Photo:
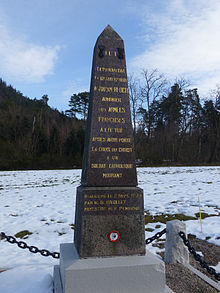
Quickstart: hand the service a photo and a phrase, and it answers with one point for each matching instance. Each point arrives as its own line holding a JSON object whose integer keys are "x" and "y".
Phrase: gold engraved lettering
{"x": 114, "y": 150}
{"x": 102, "y": 109}
{"x": 98, "y": 196}
{"x": 120, "y": 166}
{"x": 94, "y": 209}
{"x": 90, "y": 202}
{"x": 116, "y": 201}
{"x": 94, "y": 149}
{"x": 107, "y": 78}
{"x": 114, "y": 158}
{"x": 120, "y": 79}
{"x": 97, "y": 166}
{"x": 111, "y": 79}
{"x": 103, "y": 89}
{"x": 112, "y": 139}
{"x": 104, "y": 149}
{"x": 136, "y": 195}
{"x": 110, "y": 53}
{"x": 112, "y": 175}
{"x": 125, "y": 150}
{"x": 137, "y": 208}
{"x": 111, "y": 119}
{"x": 122, "y": 195}
{"x": 105, "y": 129}
{"x": 118, "y": 139}
{"x": 107, "y": 99}
{"x": 99, "y": 139}
{"x": 110, "y": 69}
{"x": 124, "y": 139}
{"x": 123, "y": 90}
{"x": 118, "y": 130}
{"x": 116, "y": 110}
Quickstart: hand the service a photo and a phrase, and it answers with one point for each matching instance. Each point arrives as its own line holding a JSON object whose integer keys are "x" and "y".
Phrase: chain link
{"x": 198, "y": 258}
{"x": 33, "y": 249}
{"x": 156, "y": 236}
{"x": 45, "y": 252}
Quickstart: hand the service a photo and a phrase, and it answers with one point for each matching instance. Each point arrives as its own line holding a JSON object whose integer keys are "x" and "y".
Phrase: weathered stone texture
{"x": 175, "y": 249}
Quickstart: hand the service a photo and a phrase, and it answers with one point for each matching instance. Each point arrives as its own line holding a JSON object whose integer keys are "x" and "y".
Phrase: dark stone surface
{"x": 108, "y": 199}
{"x": 109, "y": 158}
{"x": 123, "y": 213}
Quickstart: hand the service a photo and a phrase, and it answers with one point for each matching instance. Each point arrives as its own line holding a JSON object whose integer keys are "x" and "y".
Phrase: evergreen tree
{"x": 78, "y": 104}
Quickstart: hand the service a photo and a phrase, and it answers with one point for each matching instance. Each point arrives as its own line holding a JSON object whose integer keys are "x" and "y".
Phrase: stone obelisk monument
{"x": 108, "y": 253}
{"x": 108, "y": 199}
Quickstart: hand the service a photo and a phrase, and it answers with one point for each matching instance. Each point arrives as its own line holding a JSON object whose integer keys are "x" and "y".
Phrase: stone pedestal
{"x": 100, "y": 210}
{"x": 122, "y": 274}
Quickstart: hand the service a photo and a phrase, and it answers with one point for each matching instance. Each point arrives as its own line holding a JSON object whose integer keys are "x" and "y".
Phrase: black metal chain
{"x": 33, "y": 249}
{"x": 197, "y": 257}
{"x": 156, "y": 236}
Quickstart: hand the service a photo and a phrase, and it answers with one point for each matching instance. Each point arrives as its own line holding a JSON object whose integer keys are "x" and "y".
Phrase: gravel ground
{"x": 182, "y": 280}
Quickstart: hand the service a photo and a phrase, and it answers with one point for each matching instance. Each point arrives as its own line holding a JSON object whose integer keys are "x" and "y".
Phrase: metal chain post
{"x": 198, "y": 258}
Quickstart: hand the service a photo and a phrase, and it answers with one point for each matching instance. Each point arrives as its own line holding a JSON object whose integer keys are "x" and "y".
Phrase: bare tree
{"x": 215, "y": 95}
{"x": 154, "y": 86}
{"x": 134, "y": 95}
{"x": 182, "y": 82}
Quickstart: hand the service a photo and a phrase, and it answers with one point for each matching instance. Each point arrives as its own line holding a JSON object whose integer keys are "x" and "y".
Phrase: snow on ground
{"x": 43, "y": 202}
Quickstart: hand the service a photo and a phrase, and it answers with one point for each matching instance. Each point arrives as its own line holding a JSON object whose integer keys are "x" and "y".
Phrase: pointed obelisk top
{"x": 109, "y": 33}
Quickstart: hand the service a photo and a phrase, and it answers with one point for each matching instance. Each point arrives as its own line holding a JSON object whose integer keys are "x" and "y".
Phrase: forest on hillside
{"x": 34, "y": 136}
{"x": 172, "y": 126}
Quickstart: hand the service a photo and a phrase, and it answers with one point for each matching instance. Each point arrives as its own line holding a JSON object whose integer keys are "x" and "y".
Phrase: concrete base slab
{"x": 204, "y": 277}
{"x": 123, "y": 274}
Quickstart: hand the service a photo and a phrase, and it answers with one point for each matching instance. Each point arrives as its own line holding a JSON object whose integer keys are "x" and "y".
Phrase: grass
{"x": 205, "y": 215}
{"x": 23, "y": 234}
{"x": 149, "y": 229}
{"x": 163, "y": 218}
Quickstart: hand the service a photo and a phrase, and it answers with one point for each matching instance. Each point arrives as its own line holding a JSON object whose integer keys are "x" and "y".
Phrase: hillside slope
{"x": 34, "y": 136}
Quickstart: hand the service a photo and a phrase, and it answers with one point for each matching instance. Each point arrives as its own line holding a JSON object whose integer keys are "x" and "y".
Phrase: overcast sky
{"x": 46, "y": 46}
